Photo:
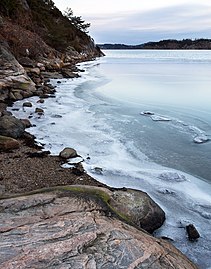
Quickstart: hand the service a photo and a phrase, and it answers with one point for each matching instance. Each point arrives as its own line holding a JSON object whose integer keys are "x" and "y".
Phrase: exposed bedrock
{"x": 77, "y": 227}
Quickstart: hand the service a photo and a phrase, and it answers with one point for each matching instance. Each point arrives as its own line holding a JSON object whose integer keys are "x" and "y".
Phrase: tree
{"x": 76, "y": 20}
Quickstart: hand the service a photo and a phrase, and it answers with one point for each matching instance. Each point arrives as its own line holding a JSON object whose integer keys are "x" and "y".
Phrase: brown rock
{"x": 69, "y": 229}
{"x": 34, "y": 70}
{"x": 27, "y": 104}
{"x": 67, "y": 153}
{"x": 39, "y": 110}
{"x": 8, "y": 143}
{"x": 192, "y": 232}
{"x": 69, "y": 74}
{"x": 18, "y": 95}
{"x": 26, "y": 123}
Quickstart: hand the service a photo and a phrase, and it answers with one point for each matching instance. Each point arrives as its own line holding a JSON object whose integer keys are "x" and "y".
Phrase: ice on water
{"x": 81, "y": 118}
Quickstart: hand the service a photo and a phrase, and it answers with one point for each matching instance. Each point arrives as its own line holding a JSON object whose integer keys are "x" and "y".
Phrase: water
{"x": 105, "y": 116}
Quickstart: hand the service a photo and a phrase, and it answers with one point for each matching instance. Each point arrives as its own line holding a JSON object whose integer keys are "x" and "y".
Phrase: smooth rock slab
{"x": 73, "y": 229}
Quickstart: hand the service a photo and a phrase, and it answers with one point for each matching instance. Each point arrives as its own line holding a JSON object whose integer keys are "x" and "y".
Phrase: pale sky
{"x": 136, "y": 21}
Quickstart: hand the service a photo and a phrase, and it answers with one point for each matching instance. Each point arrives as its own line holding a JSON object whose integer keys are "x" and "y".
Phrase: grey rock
{"x": 12, "y": 75}
{"x": 67, "y": 153}
{"x": 11, "y": 126}
{"x": 140, "y": 209}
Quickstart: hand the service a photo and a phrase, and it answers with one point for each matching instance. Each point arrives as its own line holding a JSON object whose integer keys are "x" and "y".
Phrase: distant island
{"x": 188, "y": 44}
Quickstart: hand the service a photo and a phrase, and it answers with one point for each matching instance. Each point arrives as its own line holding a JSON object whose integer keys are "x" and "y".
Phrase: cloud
{"x": 182, "y": 21}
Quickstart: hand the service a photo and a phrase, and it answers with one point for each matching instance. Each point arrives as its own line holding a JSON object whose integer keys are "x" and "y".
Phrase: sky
{"x": 137, "y": 22}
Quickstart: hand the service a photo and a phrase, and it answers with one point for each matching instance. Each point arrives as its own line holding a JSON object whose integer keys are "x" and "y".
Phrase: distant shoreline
{"x": 173, "y": 44}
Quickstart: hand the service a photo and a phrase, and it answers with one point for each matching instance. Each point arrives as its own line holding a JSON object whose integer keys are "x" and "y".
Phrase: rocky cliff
{"x": 36, "y": 28}
{"x": 36, "y": 38}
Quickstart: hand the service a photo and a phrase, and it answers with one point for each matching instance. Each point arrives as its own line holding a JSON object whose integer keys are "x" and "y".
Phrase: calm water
{"x": 176, "y": 84}
{"x": 101, "y": 115}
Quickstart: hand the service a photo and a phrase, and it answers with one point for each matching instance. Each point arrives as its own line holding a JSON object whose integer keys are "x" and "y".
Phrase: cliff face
{"x": 36, "y": 28}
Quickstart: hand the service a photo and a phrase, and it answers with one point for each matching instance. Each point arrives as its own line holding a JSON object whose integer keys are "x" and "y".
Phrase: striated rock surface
{"x": 14, "y": 82}
{"x": 73, "y": 227}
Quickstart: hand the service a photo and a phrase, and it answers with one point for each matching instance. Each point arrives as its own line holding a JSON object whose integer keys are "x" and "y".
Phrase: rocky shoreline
{"x": 80, "y": 224}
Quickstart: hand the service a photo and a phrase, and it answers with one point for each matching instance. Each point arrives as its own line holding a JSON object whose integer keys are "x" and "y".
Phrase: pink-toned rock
{"x": 73, "y": 228}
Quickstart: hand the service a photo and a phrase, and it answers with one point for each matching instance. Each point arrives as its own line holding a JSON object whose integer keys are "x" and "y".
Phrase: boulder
{"x": 26, "y": 123}
{"x": 11, "y": 126}
{"x": 39, "y": 110}
{"x": 67, "y": 153}
{"x": 72, "y": 227}
{"x": 69, "y": 74}
{"x": 27, "y": 104}
{"x": 192, "y": 232}
{"x": 140, "y": 209}
{"x": 8, "y": 143}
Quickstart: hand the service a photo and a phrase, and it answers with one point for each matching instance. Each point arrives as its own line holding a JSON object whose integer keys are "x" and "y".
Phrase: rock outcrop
{"x": 14, "y": 82}
{"x": 74, "y": 228}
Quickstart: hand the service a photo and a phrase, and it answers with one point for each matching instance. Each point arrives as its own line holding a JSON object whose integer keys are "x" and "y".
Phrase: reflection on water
{"x": 175, "y": 84}
{"x": 186, "y": 84}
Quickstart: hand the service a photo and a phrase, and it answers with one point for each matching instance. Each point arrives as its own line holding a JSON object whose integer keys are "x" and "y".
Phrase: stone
{"x": 26, "y": 123}
{"x": 140, "y": 209}
{"x": 69, "y": 74}
{"x": 8, "y": 143}
{"x": 34, "y": 70}
{"x": 67, "y": 153}
{"x": 71, "y": 227}
{"x": 41, "y": 101}
{"x": 52, "y": 75}
{"x": 192, "y": 232}
{"x": 17, "y": 95}
{"x": 40, "y": 65}
{"x": 11, "y": 126}
{"x": 27, "y": 104}
{"x": 26, "y": 62}
{"x": 39, "y": 110}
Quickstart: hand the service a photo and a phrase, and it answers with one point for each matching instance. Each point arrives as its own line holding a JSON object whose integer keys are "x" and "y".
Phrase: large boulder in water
{"x": 74, "y": 227}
